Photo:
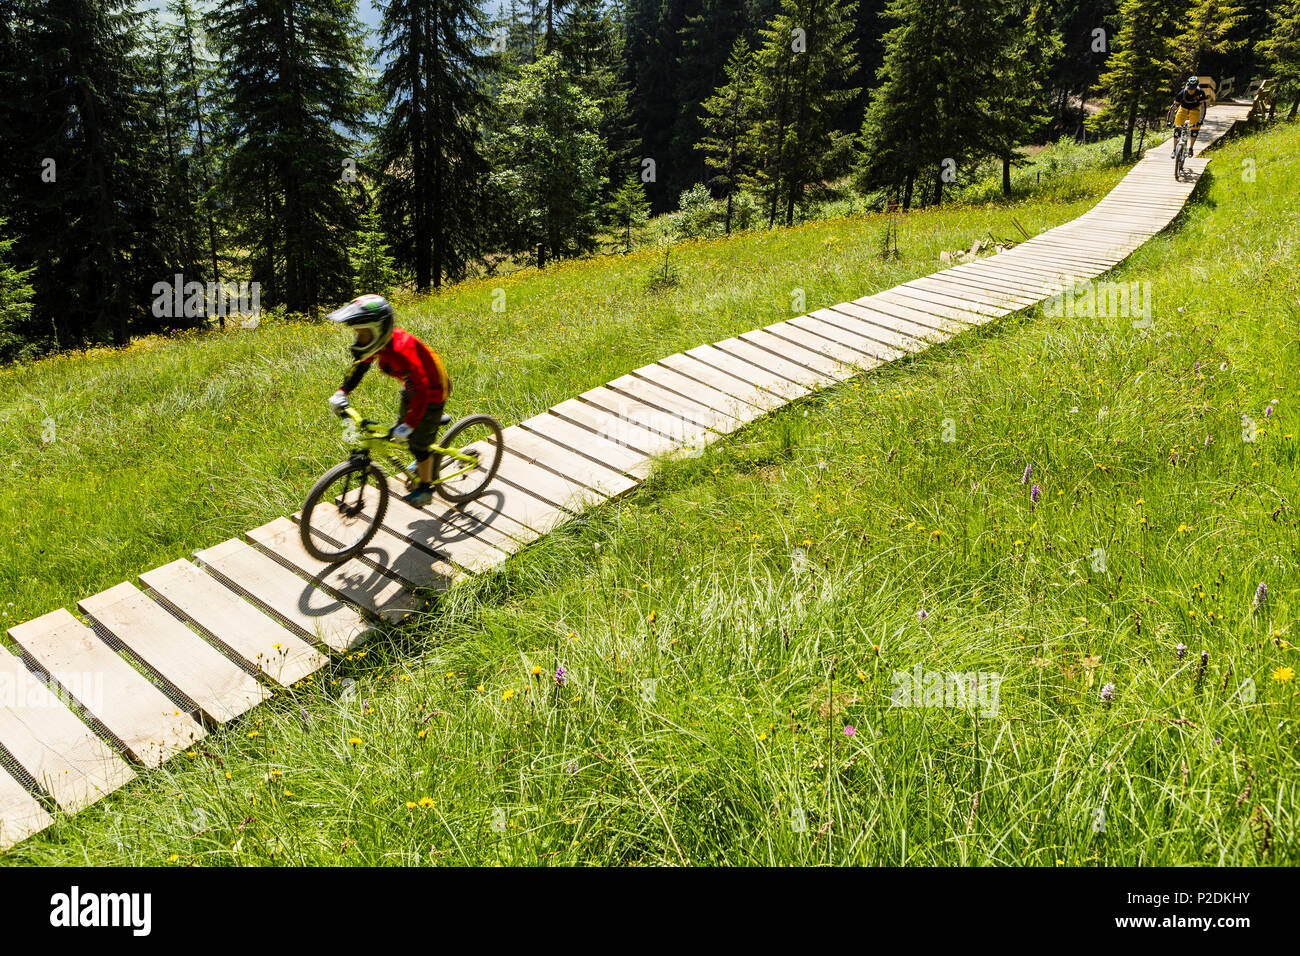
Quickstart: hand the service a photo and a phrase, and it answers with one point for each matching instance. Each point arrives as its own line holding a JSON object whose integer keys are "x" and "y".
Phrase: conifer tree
{"x": 548, "y": 163}
{"x": 1141, "y": 67}
{"x": 1281, "y": 50}
{"x": 728, "y": 116}
{"x": 433, "y": 172}
{"x": 295, "y": 92}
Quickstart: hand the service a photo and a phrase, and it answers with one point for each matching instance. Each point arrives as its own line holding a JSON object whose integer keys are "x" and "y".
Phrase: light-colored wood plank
{"x": 872, "y": 351}
{"x": 21, "y": 815}
{"x": 64, "y": 756}
{"x": 353, "y": 580}
{"x": 683, "y": 433}
{"x": 804, "y": 337}
{"x": 928, "y": 318}
{"x": 138, "y": 714}
{"x": 412, "y": 565}
{"x": 484, "y": 519}
{"x": 582, "y": 441}
{"x": 696, "y": 391}
{"x": 889, "y": 331}
{"x": 519, "y": 492}
{"x": 436, "y": 527}
{"x": 538, "y": 451}
{"x": 615, "y": 428}
{"x": 989, "y": 294}
{"x": 666, "y": 400}
{"x": 255, "y": 637}
{"x": 781, "y": 388}
{"x": 744, "y": 391}
{"x": 792, "y": 349}
{"x": 222, "y": 689}
{"x": 766, "y": 361}
{"x": 964, "y": 307}
{"x": 314, "y": 612}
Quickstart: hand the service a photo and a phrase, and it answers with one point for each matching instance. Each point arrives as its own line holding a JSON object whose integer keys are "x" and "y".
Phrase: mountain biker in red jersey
{"x": 425, "y": 389}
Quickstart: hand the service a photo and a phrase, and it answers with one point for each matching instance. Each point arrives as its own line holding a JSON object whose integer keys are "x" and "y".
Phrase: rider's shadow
{"x": 358, "y": 582}
{"x": 480, "y": 519}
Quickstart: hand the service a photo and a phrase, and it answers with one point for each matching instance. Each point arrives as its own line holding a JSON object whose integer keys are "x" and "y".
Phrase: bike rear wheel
{"x": 1179, "y": 157}
{"x": 343, "y": 510}
{"x": 480, "y": 437}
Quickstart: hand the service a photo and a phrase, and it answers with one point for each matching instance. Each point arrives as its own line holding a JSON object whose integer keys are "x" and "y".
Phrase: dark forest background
{"x": 278, "y": 142}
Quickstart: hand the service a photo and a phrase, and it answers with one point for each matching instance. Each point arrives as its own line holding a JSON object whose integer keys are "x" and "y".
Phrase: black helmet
{"x": 1193, "y": 82}
{"x": 367, "y": 312}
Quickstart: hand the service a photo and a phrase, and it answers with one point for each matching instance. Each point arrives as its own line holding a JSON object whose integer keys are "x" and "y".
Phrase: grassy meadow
{"x": 729, "y": 632}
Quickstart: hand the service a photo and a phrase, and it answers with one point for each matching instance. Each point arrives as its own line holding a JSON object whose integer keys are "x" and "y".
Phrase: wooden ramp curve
{"x": 155, "y": 667}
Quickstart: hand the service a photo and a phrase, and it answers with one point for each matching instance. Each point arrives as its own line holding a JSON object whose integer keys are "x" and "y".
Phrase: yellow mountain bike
{"x": 345, "y": 506}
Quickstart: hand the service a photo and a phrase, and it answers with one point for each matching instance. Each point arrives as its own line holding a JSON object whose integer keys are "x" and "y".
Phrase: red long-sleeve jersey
{"x": 407, "y": 358}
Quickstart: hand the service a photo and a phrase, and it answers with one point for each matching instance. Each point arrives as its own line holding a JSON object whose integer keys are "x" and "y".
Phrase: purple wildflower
{"x": 561, "y": 677}
{"x": 922, "y": 614}
{"x": 1261, "y": 594}
{"x": 1181, "y": 651}
{"x": 1268, "y": 410}
{"x": 1034, "y": 493}
{"x": 1029, "y": 470}
{"x": 1217, "y": 741}
{"x": 573, "y": 767}
{"x": 1205, "y": 659}
{"x": 1108, "y": 692}
{"x": 1197, "y": 367}
{"x": 850, "y": 730}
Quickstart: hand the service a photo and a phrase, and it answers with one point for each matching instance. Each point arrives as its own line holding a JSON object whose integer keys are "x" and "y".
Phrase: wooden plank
{"x": 766, "y": 361}
{"x": 1034, "y": 288}
{"x": 804, "y": 337}
{"x": 21, "y": 815}
{"x": 412, "y": 565}
{"x": 587, "y": 443}
{"x": 354, "y": 581}
{"x": 666, "y": 400}
{"x": 548, "y": 487}
{"x": 906, "y": 337}
{"x": 483, "y": 519}
{"x": 256, "y": 638}
{"x": 538, "y": 451}
{"x": 48, "y": 741}
{"x": 680, "y": 431}
{"x": 792, "y": 349}
{"x": 966, "y": 308}
{"x": 615, "y": 428}
{"x": 146, "y": 722}
{"x": 988, "y": 294}
{"x": 430, "y": 530}
{"x": 314, "y": 612}
{"x": 764, "y": 378}
{"x": 222, "y": 689}
{"x": 697, "y": 391}
{"x": 723, "y": 381}
{"x": 873, "y": 352}
{"x": 514, "y": 498}
{"x": 928, "y": 318}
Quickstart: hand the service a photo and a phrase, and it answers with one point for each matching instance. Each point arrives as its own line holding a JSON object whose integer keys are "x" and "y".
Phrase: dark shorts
{"x": 426, "y": 432}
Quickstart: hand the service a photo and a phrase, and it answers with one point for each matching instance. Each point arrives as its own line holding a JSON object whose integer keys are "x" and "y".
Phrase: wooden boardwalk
{"x": 154, "y": 667}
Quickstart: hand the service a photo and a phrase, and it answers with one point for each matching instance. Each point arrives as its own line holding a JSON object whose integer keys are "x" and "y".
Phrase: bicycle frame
{"x": 376, "y": 445}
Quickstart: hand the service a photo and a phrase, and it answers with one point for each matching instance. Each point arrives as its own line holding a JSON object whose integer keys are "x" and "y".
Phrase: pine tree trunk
{"x": 907, "y": 190}
{"x": 419, "y": 158}
{"x": 439, "y": 223}
{"x": 1129, "y": 124}
{"x": 1006, "y": 173}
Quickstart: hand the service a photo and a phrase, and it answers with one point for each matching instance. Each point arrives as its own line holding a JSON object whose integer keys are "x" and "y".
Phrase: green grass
{"x": 760, "y": 656}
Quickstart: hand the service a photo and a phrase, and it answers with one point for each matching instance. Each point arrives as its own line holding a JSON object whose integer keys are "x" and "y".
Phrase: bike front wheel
{"x": 343, "y": 510}
{"x": 480, "y": 438}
